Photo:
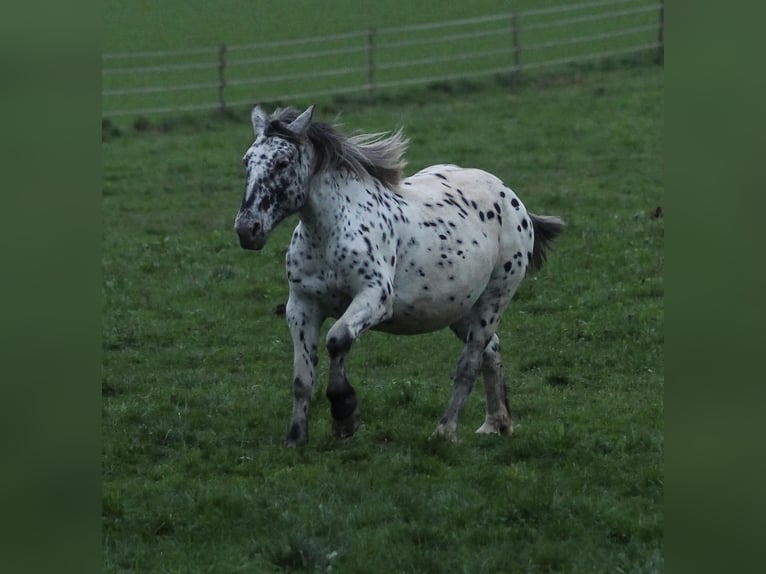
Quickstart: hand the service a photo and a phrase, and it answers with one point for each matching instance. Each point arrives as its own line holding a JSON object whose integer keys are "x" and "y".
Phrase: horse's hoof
{"x": 294, "y": 444}
{"x": 297, "y": 436}
{"x": 345, "y": 428}
{"x": 499, "y": 426}
{"x": 446, "y": 432}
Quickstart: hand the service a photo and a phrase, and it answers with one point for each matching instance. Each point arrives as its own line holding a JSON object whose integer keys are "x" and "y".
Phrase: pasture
{"x": 200, "y": 56}
{"x": 197, "y": 359}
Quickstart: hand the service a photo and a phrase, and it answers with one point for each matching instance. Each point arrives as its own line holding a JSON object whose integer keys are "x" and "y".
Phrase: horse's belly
{"x": 430, "y": 307}
{"x": 413, "y": 324}
{"x": 437, "y": 283}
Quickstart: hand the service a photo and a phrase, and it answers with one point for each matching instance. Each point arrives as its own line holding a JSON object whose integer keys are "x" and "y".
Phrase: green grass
{"x": 197, "y": 364}
{"x": 176, "y": 24}
{"x": 338, "y": 64}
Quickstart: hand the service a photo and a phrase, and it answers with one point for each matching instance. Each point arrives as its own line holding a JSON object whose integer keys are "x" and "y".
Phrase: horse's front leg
{"x": 304, "y": 320}
{"x": 366, "y": 310}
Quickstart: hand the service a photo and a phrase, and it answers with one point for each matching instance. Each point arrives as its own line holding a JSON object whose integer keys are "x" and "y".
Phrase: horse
{"x": 445, "y": 247}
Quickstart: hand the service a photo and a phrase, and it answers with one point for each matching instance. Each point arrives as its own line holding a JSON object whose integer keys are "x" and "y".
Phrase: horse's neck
{"x": 329, "y": 197}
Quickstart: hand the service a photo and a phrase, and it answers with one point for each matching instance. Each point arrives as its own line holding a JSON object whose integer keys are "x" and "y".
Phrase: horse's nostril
{"x": 256, "y": 228}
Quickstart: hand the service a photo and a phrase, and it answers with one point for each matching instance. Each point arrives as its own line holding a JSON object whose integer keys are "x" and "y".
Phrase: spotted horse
{"x": 445, "y": 247}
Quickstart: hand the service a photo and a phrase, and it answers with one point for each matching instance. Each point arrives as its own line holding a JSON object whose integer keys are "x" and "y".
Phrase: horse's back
{"x": 474, "y": 201}
{"x": 471, "y": 181}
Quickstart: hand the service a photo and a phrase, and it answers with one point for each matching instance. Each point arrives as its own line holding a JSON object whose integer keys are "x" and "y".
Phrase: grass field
{"x": 161, "y": 56}
{"x": 176, "y": 24}
{"x": 197, "y": 364}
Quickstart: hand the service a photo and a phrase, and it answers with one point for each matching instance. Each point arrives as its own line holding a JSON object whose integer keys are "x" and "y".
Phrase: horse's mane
{"x": 379, "y": 155}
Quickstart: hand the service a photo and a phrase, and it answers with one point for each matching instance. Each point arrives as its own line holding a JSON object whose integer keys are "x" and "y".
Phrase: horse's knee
{"x": 302, "y": 390}
{"x": 492, "y": 362}
{"x": 493, "y": 346}
{"x": 339, "y": 340}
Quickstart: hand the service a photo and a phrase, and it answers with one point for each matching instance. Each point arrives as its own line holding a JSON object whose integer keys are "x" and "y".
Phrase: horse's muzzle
{"x": 251, "y": 236}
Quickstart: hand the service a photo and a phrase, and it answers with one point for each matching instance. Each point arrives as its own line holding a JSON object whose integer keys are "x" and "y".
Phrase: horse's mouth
{"x": 251, "y": 242}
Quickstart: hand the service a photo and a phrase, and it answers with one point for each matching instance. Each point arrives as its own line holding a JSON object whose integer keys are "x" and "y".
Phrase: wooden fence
{"x": 377, "y": 59}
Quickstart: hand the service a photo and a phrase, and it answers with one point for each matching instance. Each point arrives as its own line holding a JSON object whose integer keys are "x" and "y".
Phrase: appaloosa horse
{"x": 445, "y": 247}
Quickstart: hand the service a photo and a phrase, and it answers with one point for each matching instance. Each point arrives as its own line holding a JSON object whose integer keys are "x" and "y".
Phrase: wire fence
{"x": 377, "y": 59}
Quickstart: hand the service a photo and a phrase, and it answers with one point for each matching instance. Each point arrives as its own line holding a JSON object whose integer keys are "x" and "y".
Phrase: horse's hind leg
{"x": 498, "y": 419}
{"x": 465, "y": 376}
{"x": 481, "y": 352}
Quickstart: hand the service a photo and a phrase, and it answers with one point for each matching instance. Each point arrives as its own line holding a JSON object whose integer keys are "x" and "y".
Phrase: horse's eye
{"x": 281, "y": 164}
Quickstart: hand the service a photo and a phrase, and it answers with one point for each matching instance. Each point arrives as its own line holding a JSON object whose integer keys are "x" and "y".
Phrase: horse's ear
{"x": 300, "y": 125}
{"x": 259, "y": 119}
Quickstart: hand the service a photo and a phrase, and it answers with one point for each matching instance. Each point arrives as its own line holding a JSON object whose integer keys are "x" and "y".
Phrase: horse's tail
{"x": 547, "y": 228}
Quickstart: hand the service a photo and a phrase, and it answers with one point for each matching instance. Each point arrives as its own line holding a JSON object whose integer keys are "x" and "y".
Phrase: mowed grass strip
{"x": 197, "y": 358}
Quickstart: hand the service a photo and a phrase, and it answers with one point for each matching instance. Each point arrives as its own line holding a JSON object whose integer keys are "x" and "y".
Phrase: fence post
{"x": 661, "y": 35}
{"x": 371, "y": 62}
{"x": 516, "y": 43}
{"x": 221, "y": 79}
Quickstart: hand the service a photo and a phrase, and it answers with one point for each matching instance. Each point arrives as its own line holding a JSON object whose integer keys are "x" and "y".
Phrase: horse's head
{"x": 278, "y": 164}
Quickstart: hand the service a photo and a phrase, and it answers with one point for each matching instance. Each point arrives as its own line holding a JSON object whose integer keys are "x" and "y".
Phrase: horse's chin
{"x": 252, "y": 243}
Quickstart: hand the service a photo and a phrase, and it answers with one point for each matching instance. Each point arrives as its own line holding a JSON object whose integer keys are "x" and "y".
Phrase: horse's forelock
{"x": 278, "y": 122}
